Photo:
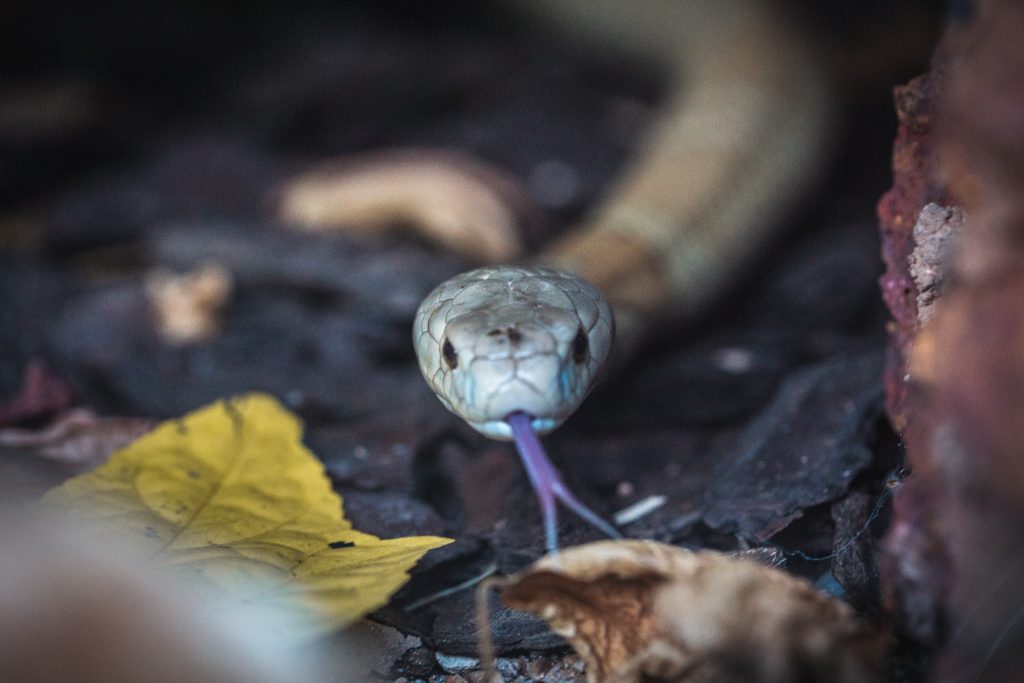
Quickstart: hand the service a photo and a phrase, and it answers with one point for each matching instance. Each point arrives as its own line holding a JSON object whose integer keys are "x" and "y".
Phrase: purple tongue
{"x": 547, "y": 483}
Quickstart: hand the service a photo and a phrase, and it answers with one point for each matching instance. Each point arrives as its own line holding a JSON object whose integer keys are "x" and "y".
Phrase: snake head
{"x": 497, "y": 341}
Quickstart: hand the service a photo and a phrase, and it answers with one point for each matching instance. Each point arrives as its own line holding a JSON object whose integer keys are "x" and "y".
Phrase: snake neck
{"x": 737, "y": 144}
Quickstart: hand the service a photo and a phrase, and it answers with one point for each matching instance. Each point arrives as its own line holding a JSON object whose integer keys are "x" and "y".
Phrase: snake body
{"x": 515, "y": 350}
{"x": 740, "y": 136}
{"x": 506, "y": 339}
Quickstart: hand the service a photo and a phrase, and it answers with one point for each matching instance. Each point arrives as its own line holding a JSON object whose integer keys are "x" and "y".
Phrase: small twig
{"x": 483, "y": 624}
{"x": 638, "y": 510}
{"x": 452, "y": 590}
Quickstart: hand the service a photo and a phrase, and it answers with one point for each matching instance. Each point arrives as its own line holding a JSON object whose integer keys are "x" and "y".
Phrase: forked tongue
{"x": 547, "y": 482}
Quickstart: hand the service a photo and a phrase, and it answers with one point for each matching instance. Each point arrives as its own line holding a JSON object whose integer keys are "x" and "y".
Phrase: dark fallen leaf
{"x": 804, "y": 449}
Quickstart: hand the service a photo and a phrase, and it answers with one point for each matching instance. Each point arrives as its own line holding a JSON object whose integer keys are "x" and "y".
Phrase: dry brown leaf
{"x": 42, "y": 393}
{"x": 450, "y": 199}
{"x": 78, "y": 437}
{"x": 187, "y": 307}
{"x": 644, "y": 611}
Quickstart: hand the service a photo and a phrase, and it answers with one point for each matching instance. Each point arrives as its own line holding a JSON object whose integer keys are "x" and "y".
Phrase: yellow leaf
{"x": 229, "y": 494}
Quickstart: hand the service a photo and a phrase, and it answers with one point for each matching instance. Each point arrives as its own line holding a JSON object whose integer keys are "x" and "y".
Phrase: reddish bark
{"x": 954, "y": 554}
{"x": 915, "y": 183}
{"x": 915, "y": 570}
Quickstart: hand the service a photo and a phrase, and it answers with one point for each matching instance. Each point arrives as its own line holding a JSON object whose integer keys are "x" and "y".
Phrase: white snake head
{"x": 498, "y": 340}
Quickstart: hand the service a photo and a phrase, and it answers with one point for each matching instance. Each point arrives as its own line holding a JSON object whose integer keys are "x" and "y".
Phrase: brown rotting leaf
{"x": 639, "y": 611}
{"x": 451, "y": 199}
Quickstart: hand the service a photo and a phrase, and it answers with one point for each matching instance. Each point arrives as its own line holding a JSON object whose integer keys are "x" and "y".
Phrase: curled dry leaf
{"x": 187, "y": 307}
{"x": 450, "y": 199}
{"x": 643, "y": 611}
{"x": 78, "y": 437}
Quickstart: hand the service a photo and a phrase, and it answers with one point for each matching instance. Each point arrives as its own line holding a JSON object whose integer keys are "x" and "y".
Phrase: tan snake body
{"x": 734, "y": 147}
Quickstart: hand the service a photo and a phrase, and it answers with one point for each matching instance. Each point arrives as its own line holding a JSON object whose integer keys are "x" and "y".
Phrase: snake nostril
{"x": 449, "y": 355}
{"x": 580, "y": 346}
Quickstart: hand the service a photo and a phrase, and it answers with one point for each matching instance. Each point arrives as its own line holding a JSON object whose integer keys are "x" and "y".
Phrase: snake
{"x": 514, "y": 350}
{"x": 503, "y": 339}
{"x": 737, "y": 141}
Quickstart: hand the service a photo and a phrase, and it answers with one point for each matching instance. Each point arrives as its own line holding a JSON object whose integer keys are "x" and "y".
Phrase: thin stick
{"x": 452, "y": 590}
{"x": 483, "y": 625}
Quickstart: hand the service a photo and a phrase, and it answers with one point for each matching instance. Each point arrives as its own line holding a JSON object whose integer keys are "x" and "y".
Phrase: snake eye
{"x": 450, "y": 357}
{"x": 580, "y": 346}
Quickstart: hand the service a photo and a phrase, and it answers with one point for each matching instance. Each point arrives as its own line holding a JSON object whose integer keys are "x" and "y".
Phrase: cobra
{"x": 735, "y": 145}
{"x": 514, "y": 351}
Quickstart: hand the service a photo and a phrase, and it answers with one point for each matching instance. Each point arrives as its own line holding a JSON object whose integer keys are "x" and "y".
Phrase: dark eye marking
{"x": 580, "y": 346}
{"x": 450, "y": 357}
